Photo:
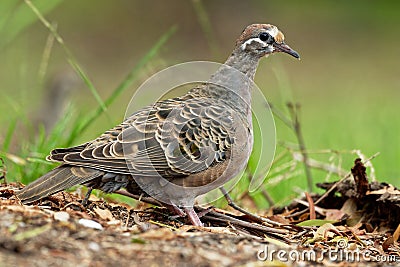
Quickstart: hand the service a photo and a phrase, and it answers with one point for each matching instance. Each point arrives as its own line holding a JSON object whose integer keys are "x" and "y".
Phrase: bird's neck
{"x": 234, "y": 80}
{"x": 246, "y": 63}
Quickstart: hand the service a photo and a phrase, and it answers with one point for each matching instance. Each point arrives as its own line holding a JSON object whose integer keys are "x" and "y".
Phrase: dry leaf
{"x": 386, "y": 244}
{"x": 334, "y": 215}
{"x": 396, "y": 233}
{"x": 104, "y": 214}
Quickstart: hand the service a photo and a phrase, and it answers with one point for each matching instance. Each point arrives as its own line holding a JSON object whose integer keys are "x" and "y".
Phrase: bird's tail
{"x": 56, "y": 180}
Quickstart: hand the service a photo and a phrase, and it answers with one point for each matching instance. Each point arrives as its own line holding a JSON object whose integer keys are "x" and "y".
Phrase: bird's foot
{"x": 193, "y": 217}
{"x": 175, "y": 210}
{"x": 187, "y": 211}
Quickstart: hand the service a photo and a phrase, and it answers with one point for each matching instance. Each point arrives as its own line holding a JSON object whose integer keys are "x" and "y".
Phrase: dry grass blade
{"x": 71, "y": 58}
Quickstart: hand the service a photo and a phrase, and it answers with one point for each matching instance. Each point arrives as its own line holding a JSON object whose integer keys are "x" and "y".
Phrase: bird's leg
{"x": 85, "y": 200}
{"x": 176, "y": 210}
{"x": 187, "y": 211}
{"x": 193, "y": 217}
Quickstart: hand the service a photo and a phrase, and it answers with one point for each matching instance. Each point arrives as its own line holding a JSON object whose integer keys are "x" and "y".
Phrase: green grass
{"x": 27, "y": 162}
{"x": 16, "y": 16}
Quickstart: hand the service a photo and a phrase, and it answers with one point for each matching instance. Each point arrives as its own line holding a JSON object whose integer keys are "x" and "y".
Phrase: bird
{"x": 175, "y": 149}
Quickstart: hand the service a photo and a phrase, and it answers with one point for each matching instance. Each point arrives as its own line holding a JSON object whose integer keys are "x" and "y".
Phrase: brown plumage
{"x": 176, "y": 149}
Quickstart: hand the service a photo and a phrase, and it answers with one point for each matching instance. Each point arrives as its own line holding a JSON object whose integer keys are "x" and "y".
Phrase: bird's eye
{"x": 266, "y": 37}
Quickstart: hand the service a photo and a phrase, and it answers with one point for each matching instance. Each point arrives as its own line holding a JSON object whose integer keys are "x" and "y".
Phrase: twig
{"x": 268, "y": 197}
{"x": 320, "y": 210}
{"x": 280, "y": 115}
{"x": 311, "y": 206}
{"x": 285, "y": 176}
{"x": 245, "y": 234}
{"x": 265, "y": 194}
{"x": 212, "y": 215}
{"x": 87, "y": 196}
{"x": 297, "y": 129}
{"x": 294, "y": 124}
{"x": 251, "y": 215}
{"x": 148, "y": 200}
{"x": 127, "y": 218}
{"x": 312, "y": 163}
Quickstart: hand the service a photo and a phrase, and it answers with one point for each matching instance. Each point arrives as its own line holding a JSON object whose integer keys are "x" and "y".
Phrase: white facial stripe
{"x": 273, "y": 31}
{"x": 244, "y": 45}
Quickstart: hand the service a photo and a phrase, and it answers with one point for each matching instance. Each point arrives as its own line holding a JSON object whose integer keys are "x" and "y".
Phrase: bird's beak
{"x": 282, "y": 47}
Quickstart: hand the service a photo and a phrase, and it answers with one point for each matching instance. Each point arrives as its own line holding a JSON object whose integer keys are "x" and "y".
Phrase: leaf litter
{"x": 356, "y": 217}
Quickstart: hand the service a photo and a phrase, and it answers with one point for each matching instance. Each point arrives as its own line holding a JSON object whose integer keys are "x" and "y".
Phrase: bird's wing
{"x": 172, "y": 138}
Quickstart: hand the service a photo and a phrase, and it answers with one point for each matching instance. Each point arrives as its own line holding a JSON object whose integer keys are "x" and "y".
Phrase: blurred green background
{"x": 347, "y": 81}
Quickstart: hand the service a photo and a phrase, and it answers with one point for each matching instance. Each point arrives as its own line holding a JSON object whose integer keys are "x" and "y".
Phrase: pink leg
{"x": 176, "y": 210}
{"x": 192, "y": 215}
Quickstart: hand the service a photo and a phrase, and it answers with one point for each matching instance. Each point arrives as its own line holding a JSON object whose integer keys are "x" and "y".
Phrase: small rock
{"x": 94, "y": 246}
{"x": 61, "y": 216}
{"x": 90, "y": 224}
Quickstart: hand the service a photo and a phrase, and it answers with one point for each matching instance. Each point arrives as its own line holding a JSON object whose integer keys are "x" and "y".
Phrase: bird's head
{"x": 263, "y": 40}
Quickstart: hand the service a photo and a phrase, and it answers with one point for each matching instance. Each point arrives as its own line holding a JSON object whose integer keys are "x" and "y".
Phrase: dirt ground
{"x": 59, "y": 231}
